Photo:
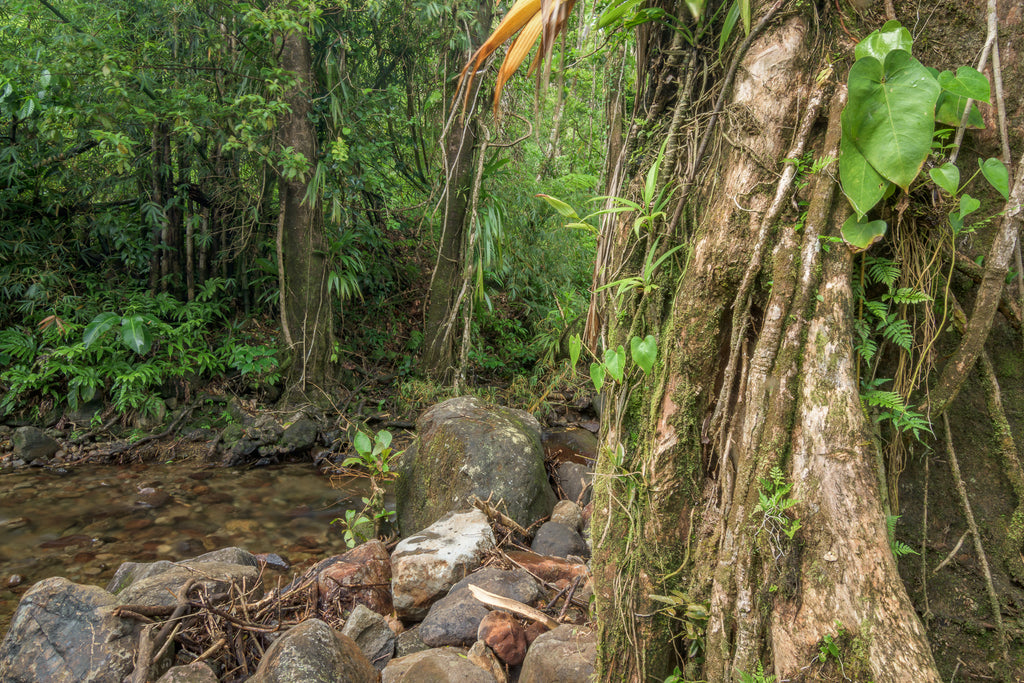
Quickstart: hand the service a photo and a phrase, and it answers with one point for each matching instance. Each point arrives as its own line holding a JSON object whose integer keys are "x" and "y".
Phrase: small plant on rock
{"x": 377, "y": 458}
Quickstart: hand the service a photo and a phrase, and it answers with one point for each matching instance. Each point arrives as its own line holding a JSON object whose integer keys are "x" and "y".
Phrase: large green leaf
{"x": 889, "y": 115}
{"x": 950, "y": 109}
{"x": 861, "y": 235}
{"x": 135, "y": 334}
{"x": 99, "y": 325}
{"x": 597, "y": 373}
{"x": 862, "y": 184}
{"x": 967, "y": 82}
{"x": 892, "y": 36}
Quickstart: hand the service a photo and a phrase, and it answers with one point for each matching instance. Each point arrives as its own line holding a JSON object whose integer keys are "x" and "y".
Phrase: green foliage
{"x": 888, "y": 127}
{"x": 756, "y": 676}
{"x": 159, "y": 341}
{"x": 899, "y": 548}
{"x": 773, "y": 505}
{"x": 376, "y": 457}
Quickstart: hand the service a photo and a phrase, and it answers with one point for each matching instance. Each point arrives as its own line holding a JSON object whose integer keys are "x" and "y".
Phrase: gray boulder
{"x": 567, "y": 655}
{"x": 196, "y": 672}
{"x": 464, "y": 448}
{"x": 441, "y": 665}
{"x": 63, "y": 631}
{"x": 215, "y": 577}
{"x": 455, "y": 619}
{"x": 559, "y": 540}
{"x": 131, "y": 572}
{"x": 313, "y": 652}
{"x": 30, "y": 443}
{"x": 372, "y": 634}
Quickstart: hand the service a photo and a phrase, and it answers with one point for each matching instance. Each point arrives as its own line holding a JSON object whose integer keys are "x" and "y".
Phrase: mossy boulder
{"x": 464, "y": 448}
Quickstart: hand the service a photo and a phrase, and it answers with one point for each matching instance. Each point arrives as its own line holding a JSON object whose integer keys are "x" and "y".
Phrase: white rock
{"x": 425, "y": 565}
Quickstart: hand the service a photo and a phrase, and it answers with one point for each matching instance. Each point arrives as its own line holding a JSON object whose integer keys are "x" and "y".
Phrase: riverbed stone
{"x": 576, "y": 481}
{"x": 558, "y": 540}
{"x": 427, "y": 564}
{"x": 568, "y": 513}
{"x": 31, "y": 443}
{"x": 439, "y": 665}
{"x": 373, "y": 635}
{"x": 196, "y": 672}
{"x": 456, "y": 618}
{"x": 362, "y": 576}
{"x": 313, "y": 652}
{"x": 566, "y": 654}
{"x": 63, "y": 631}
{"x": 467, "y": 448}
{"x": 160, "y": 589}
{"x": 505, "y": 635}
{"x": 299, "y": 435}
{"x": 130, "y": 572}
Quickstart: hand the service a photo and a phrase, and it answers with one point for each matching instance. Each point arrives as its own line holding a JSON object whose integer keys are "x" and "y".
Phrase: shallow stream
{"x": 85, "y": 523}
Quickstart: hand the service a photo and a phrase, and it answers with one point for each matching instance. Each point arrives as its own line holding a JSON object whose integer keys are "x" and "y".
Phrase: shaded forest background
{"x": 144, "y": 151}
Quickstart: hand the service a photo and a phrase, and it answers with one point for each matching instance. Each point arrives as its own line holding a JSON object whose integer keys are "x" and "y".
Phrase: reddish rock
{"x": 550, "y": 569}
{"x": 503, "y": 633}
{"x": 533, "y": 630}
{"x": 362, "y": 576}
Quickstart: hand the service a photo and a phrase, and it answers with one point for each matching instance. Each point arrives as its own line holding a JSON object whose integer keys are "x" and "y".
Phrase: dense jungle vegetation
{"x": 144, "y": 160}
{"x": 799, "y": 293}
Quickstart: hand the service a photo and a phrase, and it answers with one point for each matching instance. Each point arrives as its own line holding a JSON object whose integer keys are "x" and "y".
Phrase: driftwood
{"x": 513, "y": 606}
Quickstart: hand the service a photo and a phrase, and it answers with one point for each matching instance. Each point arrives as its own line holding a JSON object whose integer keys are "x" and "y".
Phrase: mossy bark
{"x": 756, "y": 370}
{"x": 306, "y": 312}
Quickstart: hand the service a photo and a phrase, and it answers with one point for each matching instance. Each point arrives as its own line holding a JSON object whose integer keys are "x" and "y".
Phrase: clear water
{"x": 84, "y": 524}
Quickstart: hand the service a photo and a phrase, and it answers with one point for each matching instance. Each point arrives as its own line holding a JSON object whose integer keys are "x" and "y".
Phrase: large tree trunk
{"x": 306, "y": 312}
{"x": 756, "y": 370}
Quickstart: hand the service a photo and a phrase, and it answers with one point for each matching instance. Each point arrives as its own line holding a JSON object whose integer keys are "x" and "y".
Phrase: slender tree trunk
{"x": 439, "y": 334}
{"x": 306, "y": 312}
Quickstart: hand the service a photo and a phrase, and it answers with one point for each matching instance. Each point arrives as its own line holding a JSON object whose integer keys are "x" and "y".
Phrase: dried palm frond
{"x": 529, "y": 18}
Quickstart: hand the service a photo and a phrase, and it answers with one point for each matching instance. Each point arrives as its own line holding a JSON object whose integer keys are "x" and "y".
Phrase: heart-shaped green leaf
{"x": 892, "y": 36}
{"x": 575, "y": 345}
{"x": 996, "y": 175}
{"x": 889, "y": 114}
{"x": 967, "y": 82}
{"x": 644, "y": 351}
{"x": 135, "y": 334}
{"x": 597, "y": 373}
{"x": 862, "y": 184}
{"x": 949, "y": 110}
{"x": 968, "y": 205}
{"x": 947, "y": 177}
{"x": 956, "y": 222}
{"x": 859, "y": 235}
{"x": 615, "y": 362}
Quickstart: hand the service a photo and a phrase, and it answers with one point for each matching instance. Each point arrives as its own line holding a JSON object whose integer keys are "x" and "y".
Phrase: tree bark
{"x": 756, "y": 370}
{"x": 460, "y": 146}
{"x": 306, "y": 312}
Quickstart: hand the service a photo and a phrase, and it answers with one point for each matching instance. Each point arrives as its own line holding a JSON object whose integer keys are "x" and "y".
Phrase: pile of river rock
{"x": 408, "y": 615}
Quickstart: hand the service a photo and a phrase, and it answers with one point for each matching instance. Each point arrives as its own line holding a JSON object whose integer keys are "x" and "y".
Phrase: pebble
{"x": 14, "y": 580}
